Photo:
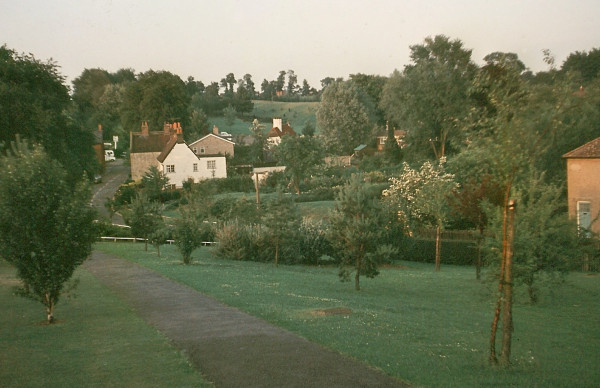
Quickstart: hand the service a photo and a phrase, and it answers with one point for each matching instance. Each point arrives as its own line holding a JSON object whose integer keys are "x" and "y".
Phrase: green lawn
{"x": 428, "y": 328}
{"x": 97, "y": 341}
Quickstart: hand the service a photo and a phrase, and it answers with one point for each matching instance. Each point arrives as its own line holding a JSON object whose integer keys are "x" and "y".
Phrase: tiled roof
{"x": 151, "y": 142}
{"x": 169, "y": 147}
{"x": 276, "y": 132}
{"x": 588, "y": 150}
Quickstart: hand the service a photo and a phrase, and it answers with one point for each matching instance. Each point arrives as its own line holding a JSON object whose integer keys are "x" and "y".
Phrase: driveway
{"x": 116, "y": 173}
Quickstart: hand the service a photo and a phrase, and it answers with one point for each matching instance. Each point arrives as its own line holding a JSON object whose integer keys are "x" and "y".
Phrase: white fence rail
{"x": 139, "y": 239}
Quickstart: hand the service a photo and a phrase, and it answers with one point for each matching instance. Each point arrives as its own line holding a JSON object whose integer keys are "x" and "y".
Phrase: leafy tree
{"x": 267, "y": 90}
{"x": 159, "y": 237}
{"x": 431, "y": 96}
{"x": 422, "y": 198}
{"x": 229, "y": 114}
{"x": 283, "y": 221}
{"x": 292, "y": 85}
{"x": 88, "y": 89}
{"x": 392, "y": 149}
{"x": 199, "y": 126}
{"x": 154, "y": 182}
{"x": 249, "y": 85}
{"x": 586, "y": 63}
{"x": 306, "y": 89}
{"x": 259, "y": 144}
{"x": 33, "y": 103}
{"x": 155, "y": 97}
{"x": 145, "y": 217}
{"x": 343, "y": 119}
{"x": 545, "y": 240}
{"x": 372, "y": 86}
{"x": 46, "y": 225}
{"x": 300, "y": 155}
{"x": 280, "y": 82}
{"x": 356, "y": 229}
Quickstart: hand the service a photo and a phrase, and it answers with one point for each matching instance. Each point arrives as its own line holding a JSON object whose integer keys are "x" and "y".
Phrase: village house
{"x": 278, "y": 131}
{"x": 398, "y": 135}
{"x": 171, "y": 155}
{"x": 583, "y": 185}
{"x": 145, "y": 147}
{"x": 213, "y": 144}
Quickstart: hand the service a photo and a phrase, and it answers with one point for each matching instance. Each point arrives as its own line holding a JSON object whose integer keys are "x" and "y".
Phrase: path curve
{"x": 229, "y": 347}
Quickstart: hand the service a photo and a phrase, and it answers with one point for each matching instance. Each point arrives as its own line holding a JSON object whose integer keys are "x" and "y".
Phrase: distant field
{"x": 297, "y": 113}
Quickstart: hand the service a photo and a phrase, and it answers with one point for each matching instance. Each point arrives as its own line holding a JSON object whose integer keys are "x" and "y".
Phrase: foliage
{"x": 312, "y": 242}
{"x": 155, "y": 97}
{"x": 191, "y": 228}
{"x": 546, "y": 241}
{"x": 154, "y": 182}
{"x": 46, "y": 228}
{"x": 33, "y": 104}
{"x": 430, "y": 98}
{"x": 343, "y": 119}
{"x": 282, "y": 220}
{"x": 301, "y": 156}
{"x": 355, "y": 230}
{"x": 241, "y": 241}
{"x": 229, "y": 113}
{"x": 145, "y": 217}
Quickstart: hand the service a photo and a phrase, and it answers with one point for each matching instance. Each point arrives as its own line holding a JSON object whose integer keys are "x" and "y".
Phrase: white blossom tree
{"x": 421, "y": 198}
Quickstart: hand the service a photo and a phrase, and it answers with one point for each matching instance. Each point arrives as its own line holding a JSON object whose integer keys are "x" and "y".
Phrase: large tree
{"x": 343, "y": 119}
{"x": 155, "y": 97}
{"x": 430, "y": 97}
{"x": 300, "y": 155}
{"x": 33, "y": 104}
{"x": 46, "y": 226}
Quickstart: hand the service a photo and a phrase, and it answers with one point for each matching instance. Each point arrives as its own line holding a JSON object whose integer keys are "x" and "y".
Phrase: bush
{"x": 106, "y": 229}
{"x": 238, "y": 241}
{"x": 311, "y": 243}
{"x": 453, "y": 252}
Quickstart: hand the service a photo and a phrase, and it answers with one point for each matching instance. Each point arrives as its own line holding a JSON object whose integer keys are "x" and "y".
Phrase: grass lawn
{"x": 430, "y": 329}
{"x": 96, "y": 341}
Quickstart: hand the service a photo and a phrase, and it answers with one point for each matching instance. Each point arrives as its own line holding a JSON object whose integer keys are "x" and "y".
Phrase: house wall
{"x": 184, "y": 159}
{"x": 213, "y": 146}
{"x": 583, "y": 184}
{"x": 142, "y": 161}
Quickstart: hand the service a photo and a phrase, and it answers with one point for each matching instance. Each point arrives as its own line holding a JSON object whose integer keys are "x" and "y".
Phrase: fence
{"x": 139, "y": 239}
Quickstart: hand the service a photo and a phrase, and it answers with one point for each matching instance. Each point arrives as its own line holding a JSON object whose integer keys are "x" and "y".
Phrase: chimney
{"x": 144, "y": 128}
{"x": 167, "y": 128}
{"x": 216, "y": 130}
{"x": 277, "y": 123}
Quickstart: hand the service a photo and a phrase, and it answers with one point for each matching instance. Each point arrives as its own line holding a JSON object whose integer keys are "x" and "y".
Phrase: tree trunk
{"x": 493, "y": 357}
{"x": 438, "y": 247}
{"x": 49, "y": 303}
{"x": 277, "y": 254}
{"x": 357, "y": 275}
{"x": 507, "y": 323}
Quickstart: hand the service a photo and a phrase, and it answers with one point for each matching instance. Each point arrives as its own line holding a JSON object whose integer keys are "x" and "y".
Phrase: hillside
{"x": 297, "y": 113}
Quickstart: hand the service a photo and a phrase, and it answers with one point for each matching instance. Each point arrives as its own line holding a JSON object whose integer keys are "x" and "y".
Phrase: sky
{"x": 315, "y": 38}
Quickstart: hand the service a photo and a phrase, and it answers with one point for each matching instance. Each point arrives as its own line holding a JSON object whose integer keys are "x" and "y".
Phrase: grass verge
{"x": 97, "y": 341}
{"x": 428, "y": 328}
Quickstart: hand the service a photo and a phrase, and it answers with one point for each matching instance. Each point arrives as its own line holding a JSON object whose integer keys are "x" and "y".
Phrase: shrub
{"x": 238, "y": 241}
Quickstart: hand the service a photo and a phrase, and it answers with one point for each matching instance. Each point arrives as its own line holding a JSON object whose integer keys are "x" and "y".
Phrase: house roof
{"x": 588, "y": 150}
{"x": 286, "y": 130}
{"x": 213, "y": 135}
{"x": 178, "y": 139}
{"x": 150, "y": 142}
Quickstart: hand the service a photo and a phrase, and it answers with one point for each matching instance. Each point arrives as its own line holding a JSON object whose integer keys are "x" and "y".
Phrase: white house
{"x": 179, "y": 163}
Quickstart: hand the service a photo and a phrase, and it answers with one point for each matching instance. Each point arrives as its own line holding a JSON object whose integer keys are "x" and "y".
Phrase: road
{"x": 116, "y": 173}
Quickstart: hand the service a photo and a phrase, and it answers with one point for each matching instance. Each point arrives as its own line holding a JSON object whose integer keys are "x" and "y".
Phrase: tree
{"x": 280, "y": 82}
{"x": 145, "y": 217}
{"x": 249, "y": 85}
{"x": 33, "y": 103}
{"x": 356, "y": 230}
{"x": 283, "y": 221}
{"x": 431, "y": 96}
{"x": 259, "y": 144}
{"x": 292, "y": 85}
{"x": 587, "y": 63}
{"x": 392, "y": 149}
{"x": 46, "y": 225}
{"x": 155, "y": 97}
{"x": 343, "y": 119}
{"x": 229, "y": 113}
{"x": 154, "y": 182}
{"x": 300, "y": 155}
{"x": 421, "y": 198}
{"x": 159, "y": 237}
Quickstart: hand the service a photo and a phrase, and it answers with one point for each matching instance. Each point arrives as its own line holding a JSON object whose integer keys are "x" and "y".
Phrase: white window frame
{"x": 211, "y": 164}
{"x": 195, "y": 167}
{"x": 169, "y": 168}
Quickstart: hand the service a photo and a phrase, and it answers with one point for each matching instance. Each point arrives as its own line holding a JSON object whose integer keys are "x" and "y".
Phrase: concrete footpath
{"x": 229, "y": 347}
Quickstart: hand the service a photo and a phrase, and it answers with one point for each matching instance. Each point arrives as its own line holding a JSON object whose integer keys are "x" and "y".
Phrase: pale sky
{"x": 315, "y": 38}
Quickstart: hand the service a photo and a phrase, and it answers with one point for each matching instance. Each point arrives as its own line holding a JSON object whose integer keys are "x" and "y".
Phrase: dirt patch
{"x": 11, "y": 282}
{"x": 332, "y": 311}
{"x": 593, "y": 274}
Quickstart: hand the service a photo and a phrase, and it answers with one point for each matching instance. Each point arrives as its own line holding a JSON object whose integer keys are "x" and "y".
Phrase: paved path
{"x": 230, "y": 348}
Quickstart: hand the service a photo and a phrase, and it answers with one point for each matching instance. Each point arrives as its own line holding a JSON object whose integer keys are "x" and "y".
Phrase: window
{"x": 584, "y": 217}
{"x": 211, "y": 164}
{"x": 195, "y": 150}
{"x": 382, "y": 140}
{"x": 170, "y": 168}
{"x": 195, "y": 167}
{"x": 202, "y": 150}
